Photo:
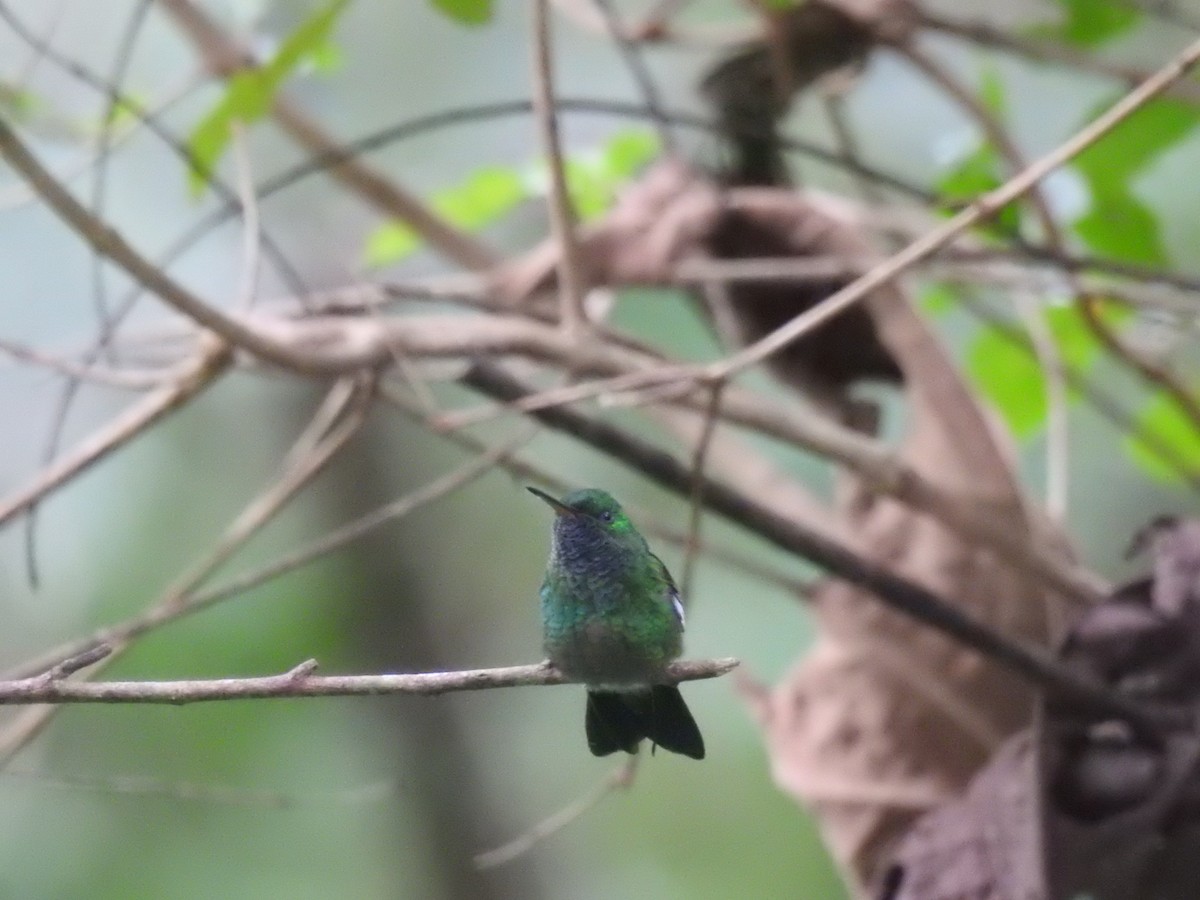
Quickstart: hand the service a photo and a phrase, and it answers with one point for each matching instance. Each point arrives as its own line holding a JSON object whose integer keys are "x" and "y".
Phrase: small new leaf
{"x": 487, "y": 195}
{"x": 1088, "y": 23}
{"x": 938, "y": 300}
{"x": 1118, "y": 224}
{"x": 1163, "y": 418}
{"x": 490, "y": 193}
{"x": 983, "y": 169}
{"x": 249, "y": 94}
{"x": 628, "y": 151}
{"x": 468, "y": 12}
{"x": 1013, "y": 380}
{"x": 18, "y": 102}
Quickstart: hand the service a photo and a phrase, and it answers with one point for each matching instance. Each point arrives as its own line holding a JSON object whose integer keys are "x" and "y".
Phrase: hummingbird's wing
{"x": 672, "y": 591}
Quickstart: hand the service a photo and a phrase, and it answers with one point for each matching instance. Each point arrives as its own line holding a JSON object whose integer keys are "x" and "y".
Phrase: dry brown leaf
{"x": 885, "y": 717}
{"x": 981, "y": 847}
{"x": 1080, "y": 806}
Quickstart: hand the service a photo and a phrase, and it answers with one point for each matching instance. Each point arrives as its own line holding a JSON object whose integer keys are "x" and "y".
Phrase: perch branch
{"x": 300, "y": 682}
{"x": 313, "y": 450}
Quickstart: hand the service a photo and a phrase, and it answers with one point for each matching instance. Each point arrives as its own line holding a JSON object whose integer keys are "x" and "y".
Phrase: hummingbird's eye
{"x": 606, "y": 516}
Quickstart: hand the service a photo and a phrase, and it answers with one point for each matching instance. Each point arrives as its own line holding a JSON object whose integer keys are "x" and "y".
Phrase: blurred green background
{"x": 379, "y": 798}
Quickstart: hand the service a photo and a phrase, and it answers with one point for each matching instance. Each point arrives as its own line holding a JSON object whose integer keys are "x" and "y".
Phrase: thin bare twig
{"x": 1030, "y": 311}
{"x": 1186, "y": 401}
{"x": 562, "y": 220}
{"x": 128, "y": 425}
{"x": 75, "y": 663}
{"x": 251, "y": 233}
{"x": 1043, "y": 51}
{"x": 657, "y": 26}
{"x": 109, "y": 243}
{"x": 193, "y": 792}
{"x": 124, "y": 378}
{"x": 103, "y": 145}
{"x": 835, "y": 110}
{"x": 696, "y": 514}
{"x": 1100, "y": 398}
{"x": 619, "y": 778}
{"x": 641, "y": 74}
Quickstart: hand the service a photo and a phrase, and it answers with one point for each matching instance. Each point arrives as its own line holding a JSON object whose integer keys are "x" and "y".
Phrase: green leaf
{"x": 491, "y": 192}
{"x": 327, "y": 58}
{"x": 468, "y": 12}
{"x": 1122, "y": 227}
{"x": 1118, "y": 224}
{"x": 1011, "y": 378}
{"x": 628, "y": 151}
{"x": 992, "y": 93}
{"x": 1140, "y": 139}
{"x": 591, "y": 191}
{"x": 18, "y": 102}
{"x": 1171, "y": 425}
{"x": 250, "y": 93}
{"x": 485, "y": 196}
{"x": 389, "y": 243}
{"x": 983, "y": 169}
{"x": 980, "y": 172}
{"x": 938, "y": 300}
{"x": 593, "y": 180}
{"x": 1088, "y": 23}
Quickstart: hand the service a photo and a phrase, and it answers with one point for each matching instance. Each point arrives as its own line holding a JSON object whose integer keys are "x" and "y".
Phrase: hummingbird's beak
{"x": 560, "y": 508}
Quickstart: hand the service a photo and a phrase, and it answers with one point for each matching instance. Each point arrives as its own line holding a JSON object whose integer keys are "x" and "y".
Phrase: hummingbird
{"x": 613, "y": 618}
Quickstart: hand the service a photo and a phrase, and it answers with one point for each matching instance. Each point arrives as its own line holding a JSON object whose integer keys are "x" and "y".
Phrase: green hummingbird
{"x": 612, "y": 618}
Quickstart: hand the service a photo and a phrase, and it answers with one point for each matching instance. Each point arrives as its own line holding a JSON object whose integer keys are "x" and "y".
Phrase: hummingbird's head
{"x": 589, "y": 521}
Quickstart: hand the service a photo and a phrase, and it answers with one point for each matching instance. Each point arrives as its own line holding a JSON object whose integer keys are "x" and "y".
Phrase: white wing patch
{"x": 677, "y": 605}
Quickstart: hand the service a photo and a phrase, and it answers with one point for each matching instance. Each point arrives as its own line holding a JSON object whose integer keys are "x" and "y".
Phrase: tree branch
{"x": 299, "y": 682}
{"x": 107, "y": 242}
{"x": 141, "y": 415}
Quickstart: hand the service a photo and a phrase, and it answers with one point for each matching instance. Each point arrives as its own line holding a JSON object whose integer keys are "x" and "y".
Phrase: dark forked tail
{"x": 618, "y": 720}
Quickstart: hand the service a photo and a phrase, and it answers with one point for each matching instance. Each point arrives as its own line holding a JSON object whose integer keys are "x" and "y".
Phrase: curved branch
{"x": 107, "y": 242}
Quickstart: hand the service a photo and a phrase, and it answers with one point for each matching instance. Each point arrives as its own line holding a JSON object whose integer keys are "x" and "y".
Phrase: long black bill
{"x": 557, "y": 505}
